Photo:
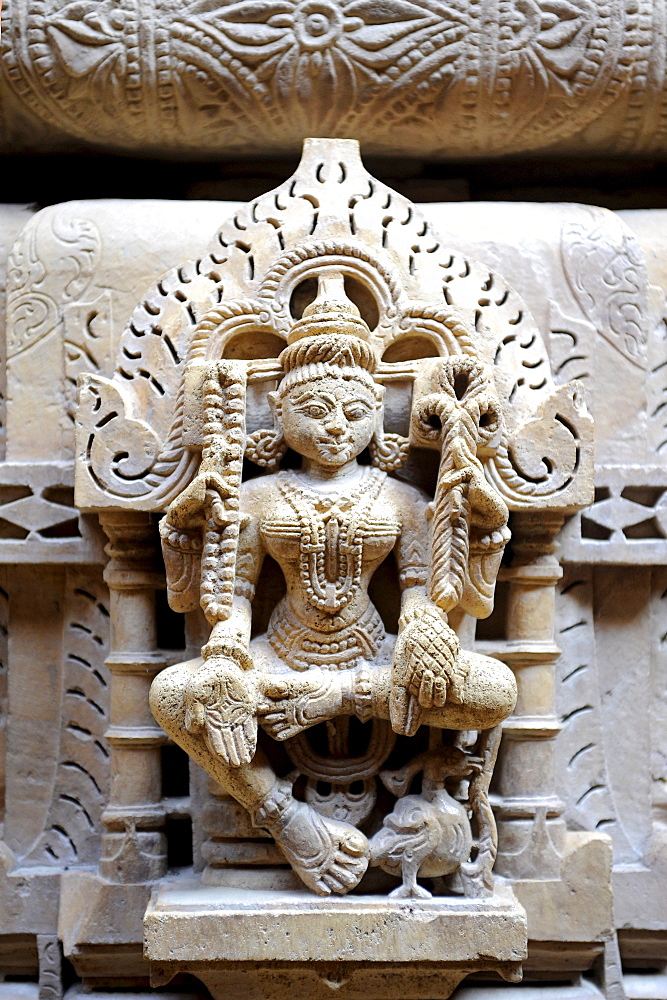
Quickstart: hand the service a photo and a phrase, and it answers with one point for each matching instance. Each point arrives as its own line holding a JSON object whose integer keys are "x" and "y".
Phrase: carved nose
{"x": 335, "y": 424}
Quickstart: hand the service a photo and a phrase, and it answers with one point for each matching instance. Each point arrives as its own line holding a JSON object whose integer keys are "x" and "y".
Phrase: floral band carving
{"x": 447, "y": 79}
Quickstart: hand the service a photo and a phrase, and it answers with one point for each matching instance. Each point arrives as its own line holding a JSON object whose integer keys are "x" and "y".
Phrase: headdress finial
{"x": 331, "y": 312}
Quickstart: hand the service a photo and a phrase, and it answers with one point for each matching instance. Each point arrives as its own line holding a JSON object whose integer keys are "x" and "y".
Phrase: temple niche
{"x": 388, "y": 396}
{"x": 332, "y": 501}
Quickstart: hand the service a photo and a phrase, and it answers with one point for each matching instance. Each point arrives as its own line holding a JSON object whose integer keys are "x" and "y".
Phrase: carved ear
{"x": 276, "y": 405}
{"x": 265, "y": 447}
{"x": 388, "y": 451}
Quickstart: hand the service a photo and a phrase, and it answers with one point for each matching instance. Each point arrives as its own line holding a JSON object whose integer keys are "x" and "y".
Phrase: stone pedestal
{"x": 275, "y": 943}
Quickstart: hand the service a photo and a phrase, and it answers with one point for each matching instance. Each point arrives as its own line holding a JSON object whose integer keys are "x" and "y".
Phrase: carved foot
{"x": 291, "y": 705}
{"x": 409, "y": 889}
{"x": 410, "y": 892}
{"x": 327, "y": 855}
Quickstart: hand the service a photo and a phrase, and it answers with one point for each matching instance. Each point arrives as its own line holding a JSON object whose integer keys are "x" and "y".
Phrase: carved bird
{"x": 427, "y": 834}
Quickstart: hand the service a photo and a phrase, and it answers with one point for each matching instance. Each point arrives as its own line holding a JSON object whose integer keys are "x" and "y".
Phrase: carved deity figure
{"x": 329, "y": 525}
{"x": 331, "y": 339}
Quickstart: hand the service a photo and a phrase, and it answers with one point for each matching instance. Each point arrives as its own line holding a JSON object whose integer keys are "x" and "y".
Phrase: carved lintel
{"x": 550, "y": 73}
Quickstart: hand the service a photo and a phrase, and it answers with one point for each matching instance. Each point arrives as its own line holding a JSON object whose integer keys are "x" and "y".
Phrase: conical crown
{"x": 331, "y": 312}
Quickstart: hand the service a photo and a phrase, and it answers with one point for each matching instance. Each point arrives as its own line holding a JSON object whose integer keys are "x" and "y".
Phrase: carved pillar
{"x": 531, "y": 828}
{"x": 134, "y": 843}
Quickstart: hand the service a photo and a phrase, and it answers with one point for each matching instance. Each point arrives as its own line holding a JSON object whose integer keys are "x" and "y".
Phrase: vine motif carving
{"x": 525, "y": 71}
{"x": 30, "y": 303}
{"x": 45, "y": 303}
{"x": 50, "y": 967}
{"x": 608, "y": 280}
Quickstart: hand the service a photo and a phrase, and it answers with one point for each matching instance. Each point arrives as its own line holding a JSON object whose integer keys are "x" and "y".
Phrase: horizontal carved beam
{"x": 437, "y": 79}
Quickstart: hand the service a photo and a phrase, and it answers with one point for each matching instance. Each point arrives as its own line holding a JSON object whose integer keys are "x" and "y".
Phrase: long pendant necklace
{"x": 331, "y": 544}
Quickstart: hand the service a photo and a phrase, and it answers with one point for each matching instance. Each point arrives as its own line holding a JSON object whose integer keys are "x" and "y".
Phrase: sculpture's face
{"x": 329, "y": 419}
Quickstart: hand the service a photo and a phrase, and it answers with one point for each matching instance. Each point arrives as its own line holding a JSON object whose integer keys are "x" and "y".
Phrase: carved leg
{"x": 250, "y": 784}
{"x": 409, "y": 888}
{"x": 476, "y": 876}
{"x": 327, "y": 855}
{"x": 488, "y": 696}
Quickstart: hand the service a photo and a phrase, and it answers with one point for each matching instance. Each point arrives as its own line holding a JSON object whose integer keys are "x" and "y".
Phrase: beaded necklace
{"x": 332, "y": 533}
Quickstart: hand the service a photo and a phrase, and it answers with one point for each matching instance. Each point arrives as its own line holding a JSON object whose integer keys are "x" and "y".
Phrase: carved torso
{"x": 328, "y": 546}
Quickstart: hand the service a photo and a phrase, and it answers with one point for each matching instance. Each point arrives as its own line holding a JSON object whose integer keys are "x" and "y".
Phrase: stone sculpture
{"x": 327, "y": 313}
{"x": 326, "y": 655}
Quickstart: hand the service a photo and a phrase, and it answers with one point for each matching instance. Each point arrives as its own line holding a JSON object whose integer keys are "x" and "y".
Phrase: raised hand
{"x": 218, "y": 704}
{"x": 425, "y": 669}
{"x": 190, "y": 506}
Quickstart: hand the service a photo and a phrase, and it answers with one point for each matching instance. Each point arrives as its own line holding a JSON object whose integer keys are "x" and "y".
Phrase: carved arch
{"x": 131, "y": 438}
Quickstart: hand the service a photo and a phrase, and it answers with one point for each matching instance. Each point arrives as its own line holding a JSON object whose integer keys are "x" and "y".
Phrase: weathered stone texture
{"x": 580, "y": 794}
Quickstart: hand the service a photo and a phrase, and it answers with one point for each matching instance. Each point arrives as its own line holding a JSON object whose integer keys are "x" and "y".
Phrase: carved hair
{"x": 337, "y": 354}
{"x": 339, "y": 349}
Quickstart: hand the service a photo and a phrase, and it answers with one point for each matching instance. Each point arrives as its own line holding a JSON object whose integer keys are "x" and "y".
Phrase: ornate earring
{"x": 389, "y": 451}
{"x": 265, "y": 447}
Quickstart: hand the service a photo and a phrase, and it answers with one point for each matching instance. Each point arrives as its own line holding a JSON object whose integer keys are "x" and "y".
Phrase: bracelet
{"x": 362, "y": 694}
{"x": 223, "y": 645}
{"x": 420, "y": 612}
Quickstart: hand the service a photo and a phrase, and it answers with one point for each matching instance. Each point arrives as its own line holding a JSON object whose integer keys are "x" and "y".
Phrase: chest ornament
{"x": 332, "y": 533}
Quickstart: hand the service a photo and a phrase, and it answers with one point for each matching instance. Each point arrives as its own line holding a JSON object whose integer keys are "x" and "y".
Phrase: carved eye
{"x": 357, "y": 412}
{"x": 316, "y": 411}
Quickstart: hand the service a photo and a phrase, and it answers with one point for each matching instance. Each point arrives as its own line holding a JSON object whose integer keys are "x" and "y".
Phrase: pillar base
{"x": 133, "y": 856}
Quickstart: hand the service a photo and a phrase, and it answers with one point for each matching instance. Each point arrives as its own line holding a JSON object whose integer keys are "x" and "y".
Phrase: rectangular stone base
{"x": 272, "y": 943}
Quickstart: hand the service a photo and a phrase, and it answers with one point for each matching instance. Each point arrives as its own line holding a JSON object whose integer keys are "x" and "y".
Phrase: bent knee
{"x": 493, "y": 687}
{"x": 507, "y": 687}
{"x": 491, "y": 690}
{"x": 167, "y": 695}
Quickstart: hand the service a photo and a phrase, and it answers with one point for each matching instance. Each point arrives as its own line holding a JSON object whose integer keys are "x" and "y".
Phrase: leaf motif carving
{"x": 231, "y": 71}
{"x": 609, "y": 280}
{"x": 80, "y": 790}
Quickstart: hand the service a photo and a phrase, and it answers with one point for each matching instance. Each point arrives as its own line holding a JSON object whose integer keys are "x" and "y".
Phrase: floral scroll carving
{"x": 323, "y": 312}
{"x": 495, "y": 78}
